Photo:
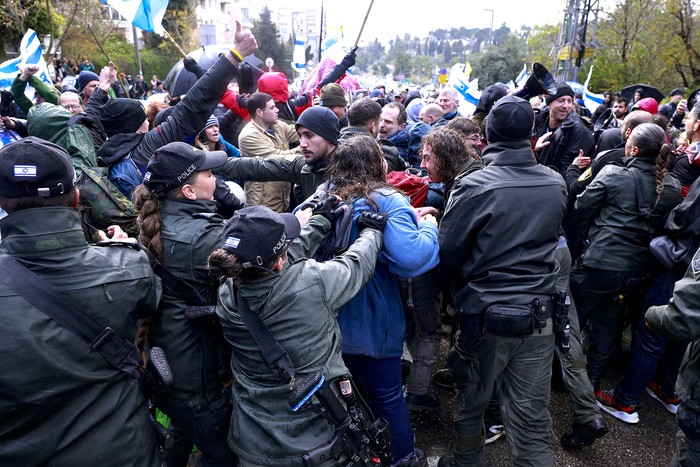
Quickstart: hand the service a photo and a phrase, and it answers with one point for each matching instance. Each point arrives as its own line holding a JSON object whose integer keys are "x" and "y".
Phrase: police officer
{"x": 61, "y": 403}
{"x": 178, "y": 225}
{"x": 298, "y": 300}
{"x": 497, "y": 241}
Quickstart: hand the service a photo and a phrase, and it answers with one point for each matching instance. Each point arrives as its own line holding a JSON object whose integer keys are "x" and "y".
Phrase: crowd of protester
{"x": 348, "y": 228}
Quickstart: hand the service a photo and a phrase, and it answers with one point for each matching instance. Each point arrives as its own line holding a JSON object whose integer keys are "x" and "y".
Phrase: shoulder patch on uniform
{"x": 210, "y": 216}
{"x": 696, "y": 266}
{"x": 585, "y": 175}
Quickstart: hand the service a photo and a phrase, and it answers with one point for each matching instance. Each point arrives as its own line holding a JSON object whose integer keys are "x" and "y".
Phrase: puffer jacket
{"x": 619, "y": 236}
{"x": 680, "y": 319}
{"x": 299, "y": 305}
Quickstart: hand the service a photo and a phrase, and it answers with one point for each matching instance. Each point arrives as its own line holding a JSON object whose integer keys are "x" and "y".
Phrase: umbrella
{"x": 649, "y": 91}
{"x": 179, "y": 80}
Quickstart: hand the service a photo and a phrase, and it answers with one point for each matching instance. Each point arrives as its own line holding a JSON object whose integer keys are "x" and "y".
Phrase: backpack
{"x": 102, "y": 203}
{"x": 125, "y": 175}
{"x": 413, "y": 186}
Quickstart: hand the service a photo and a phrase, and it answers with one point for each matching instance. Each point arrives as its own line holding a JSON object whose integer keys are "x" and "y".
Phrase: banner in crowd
{"x": 144, "y": 14}
{"x": 299, "y": 55}
{"x": 31, "y": 53}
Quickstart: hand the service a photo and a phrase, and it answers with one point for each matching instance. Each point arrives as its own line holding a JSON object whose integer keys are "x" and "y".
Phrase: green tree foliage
{"x": 500, "y": 62}
{"x": 269, "y": 43}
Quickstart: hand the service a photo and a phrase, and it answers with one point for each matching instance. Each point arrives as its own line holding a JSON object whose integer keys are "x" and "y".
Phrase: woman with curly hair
{"x": 372, "y": 323}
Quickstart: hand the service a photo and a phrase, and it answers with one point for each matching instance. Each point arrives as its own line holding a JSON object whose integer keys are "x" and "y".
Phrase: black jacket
{"x": 570, "y": 137}
{"x": 500, "y": 229}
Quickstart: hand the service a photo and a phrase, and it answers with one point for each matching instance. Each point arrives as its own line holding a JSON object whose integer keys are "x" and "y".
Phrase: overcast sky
{"x": 389, "y": 18}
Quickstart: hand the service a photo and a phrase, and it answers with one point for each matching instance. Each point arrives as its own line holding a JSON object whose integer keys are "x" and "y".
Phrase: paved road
{"x": 649, "y": 443}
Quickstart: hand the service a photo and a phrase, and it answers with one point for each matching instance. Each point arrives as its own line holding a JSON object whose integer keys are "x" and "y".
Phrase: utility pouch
{"x": 508, "y": 320}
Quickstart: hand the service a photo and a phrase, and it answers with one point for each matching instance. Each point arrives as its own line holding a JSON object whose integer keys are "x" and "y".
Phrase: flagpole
{"x": 99, "y": 44}
{"x": 357, "y": 41}
{"x": 136, "y": 49}
{"x": 172, "y": 41}
{"x": 320, "y": 35}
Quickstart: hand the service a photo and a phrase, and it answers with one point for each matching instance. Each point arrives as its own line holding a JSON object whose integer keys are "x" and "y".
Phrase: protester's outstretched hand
{"x": 349, "y": 59}
{"x": 108, "y": 76}
{"x": 193, "y": 67}
{"x": 27, "y": 71}
{"x": 244, "y": 41}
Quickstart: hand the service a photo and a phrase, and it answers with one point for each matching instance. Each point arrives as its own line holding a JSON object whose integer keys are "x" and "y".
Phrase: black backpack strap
{"x": 642, "y": 201}
{"x": 273, "y": 353}
{"x": 119, "y": 353}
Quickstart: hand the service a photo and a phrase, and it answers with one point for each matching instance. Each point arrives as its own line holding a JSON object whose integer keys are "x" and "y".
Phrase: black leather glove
{"x": 192, "y": 66}
{"x": 328, "y": 208}
{"x": 372, "y": 220}
{"x": 349, "y": 59}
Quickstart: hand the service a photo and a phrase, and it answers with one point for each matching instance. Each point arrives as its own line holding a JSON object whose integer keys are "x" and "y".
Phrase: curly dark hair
{"x": 357, "y": 168}
{"x": 452, "y": 151}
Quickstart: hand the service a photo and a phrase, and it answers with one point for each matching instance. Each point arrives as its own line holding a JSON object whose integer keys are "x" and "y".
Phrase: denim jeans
{"x": 380, "y": 382}
{"x": 653, "y": 356}
{"x": 599, "y": 295}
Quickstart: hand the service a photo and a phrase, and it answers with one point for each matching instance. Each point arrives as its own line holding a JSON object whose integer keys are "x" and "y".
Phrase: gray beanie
{"x": 322, "y": 121}
{"x": 510, "y": 119}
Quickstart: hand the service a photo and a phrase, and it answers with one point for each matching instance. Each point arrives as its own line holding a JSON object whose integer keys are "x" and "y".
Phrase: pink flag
{"x": 349, "y": 83}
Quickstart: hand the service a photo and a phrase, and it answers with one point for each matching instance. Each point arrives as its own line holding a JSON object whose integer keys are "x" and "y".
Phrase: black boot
{"x": 584, "y": 434}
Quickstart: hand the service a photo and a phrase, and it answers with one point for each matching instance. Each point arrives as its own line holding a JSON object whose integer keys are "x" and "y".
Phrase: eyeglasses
{"x": 70, "y": 107}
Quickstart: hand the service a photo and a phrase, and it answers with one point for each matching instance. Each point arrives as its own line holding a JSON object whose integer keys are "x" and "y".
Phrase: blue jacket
{"x": 372, "y": 323}
{"x": 400, "y": 140}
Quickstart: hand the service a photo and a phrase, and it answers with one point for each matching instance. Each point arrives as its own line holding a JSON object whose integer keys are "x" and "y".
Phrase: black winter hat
{"x": 563, "y": 89}
{"x": 510, "y": 119}
{"x": 489, "y": 97}
{"x": 34, "y": 167}
{"x": 257, "y": 235}
{"x": 122, "y": 115}
{"x": 173, "y": 163}
{"x": 85, "y": 77}
{"x": 322, "y": 121}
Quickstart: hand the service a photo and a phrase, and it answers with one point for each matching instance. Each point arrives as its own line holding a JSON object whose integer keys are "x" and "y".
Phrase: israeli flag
{"x": 333, "y": 46}
{"x": 144, "y": 14}
{"x": 591, "y": 100}
{"x": 468, "y": 91}
{"x": 521, "y": 78}
{"x": 299, "y": 55}
{"x": 31, "y": 53}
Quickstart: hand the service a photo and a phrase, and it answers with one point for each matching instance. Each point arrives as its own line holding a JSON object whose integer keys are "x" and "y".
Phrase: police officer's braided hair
{"x": 650, "y": 139}
{"x": 223, "y": 263}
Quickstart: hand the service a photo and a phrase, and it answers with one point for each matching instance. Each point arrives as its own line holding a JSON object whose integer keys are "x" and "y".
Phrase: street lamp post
{"x": 491, "y": 29}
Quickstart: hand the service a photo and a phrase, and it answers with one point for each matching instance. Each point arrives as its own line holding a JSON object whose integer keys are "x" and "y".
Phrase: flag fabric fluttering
{"x": 333, "y": 49}
{"x": 299, "y": 55}
{"x": 521, "y": 79}
{"x": 31, "y": 53}
{"x": 468, "y": 91}
{"x": 591, "y": 100}
{"x": 144, "y": 14}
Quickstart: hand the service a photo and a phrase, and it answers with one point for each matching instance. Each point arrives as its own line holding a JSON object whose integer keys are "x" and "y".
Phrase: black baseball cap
{"x": 257, "y": 235}
{"x": 33, "y": 167}
{"x": 173, "y": 163}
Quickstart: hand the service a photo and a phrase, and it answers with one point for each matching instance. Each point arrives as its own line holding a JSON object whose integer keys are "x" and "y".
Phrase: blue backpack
{"x": 125, "y": 175}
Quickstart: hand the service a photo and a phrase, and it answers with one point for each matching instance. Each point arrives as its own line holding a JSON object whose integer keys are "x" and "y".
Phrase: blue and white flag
{"x": 333, "y": 46}
{"x": 591, "y": 100}
{"x": 521, "y": 79}
{"x": 31, "y": 53}
{"x": 144, "y": 14}
{"x": 299, "y": 55}
{"x": 468, "y": 91}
